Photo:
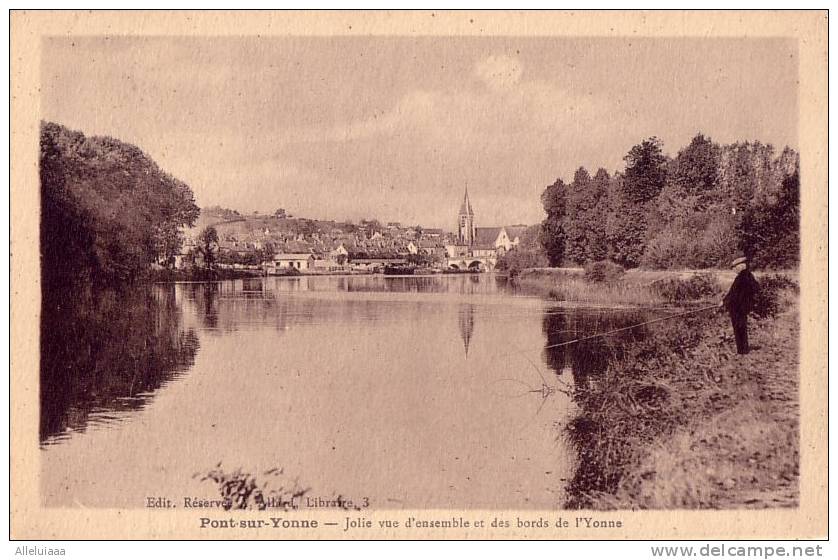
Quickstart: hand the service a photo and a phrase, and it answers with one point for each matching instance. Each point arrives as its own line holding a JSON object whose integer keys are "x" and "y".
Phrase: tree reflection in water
{"x": 106, "y": 351}
{"x": 587, "y": 359}
{"x": 586, "y": 362}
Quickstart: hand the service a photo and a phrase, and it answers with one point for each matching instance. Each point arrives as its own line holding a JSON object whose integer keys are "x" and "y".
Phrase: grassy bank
{"x": 636, "y": 288}
{"x": 641, "y": 288}
{"x": 682, "y": 421}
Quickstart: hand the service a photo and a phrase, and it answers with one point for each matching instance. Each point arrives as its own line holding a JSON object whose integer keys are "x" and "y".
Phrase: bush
{"x": 242, "y": 490}
{"x": 768, "y": 301}
{"x": 288, "y": 271}
{"x": 603, "y": 271}
{"x": 678, "y": 290}
{"x": 704, "y": 241}
{"x": 517, "y": 260}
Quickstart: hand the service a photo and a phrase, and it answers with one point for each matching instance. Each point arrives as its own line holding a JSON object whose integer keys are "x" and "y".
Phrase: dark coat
{"x": 740, "y": 298}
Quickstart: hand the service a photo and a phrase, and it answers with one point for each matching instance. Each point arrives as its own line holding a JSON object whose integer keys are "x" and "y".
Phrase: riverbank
{"x": 682, "y": 421}
{"x": 635, "y": 287}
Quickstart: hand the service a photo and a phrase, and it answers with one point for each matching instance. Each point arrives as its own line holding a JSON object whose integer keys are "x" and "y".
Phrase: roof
{"x": 292, "y": 256}
{"x": 515, "y": 231}
{"x": 486, "y": 235}
{"x": 465, "y": 207}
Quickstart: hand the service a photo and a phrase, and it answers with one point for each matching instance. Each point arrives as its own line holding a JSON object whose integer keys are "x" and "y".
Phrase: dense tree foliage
{"x": 695, "y": 172}
{"x": 576, "y": 241}
{"x": 208, "y": 246}
{"x": 696, "y": 210}
{"x": 771, "y": 230}
{"x": 108, "y": 211}
{"x": 642, "y": 182}
{"x": 553, "y": 235}
{"x": 518, "y": 259}
{"x": 588, "y": 205}
{"x": 645, "y": 173}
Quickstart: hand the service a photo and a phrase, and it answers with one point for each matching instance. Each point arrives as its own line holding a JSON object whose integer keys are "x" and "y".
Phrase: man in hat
{"x": 739, "y": 301}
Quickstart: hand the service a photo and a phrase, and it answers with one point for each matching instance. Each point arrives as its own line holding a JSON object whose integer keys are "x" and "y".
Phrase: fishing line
{"x": 606, "y": 333}
{"x": 659, "y": 319}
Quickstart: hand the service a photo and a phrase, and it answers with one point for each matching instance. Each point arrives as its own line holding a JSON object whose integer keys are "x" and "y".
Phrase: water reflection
{"x": 230, "y": 306}
{"x": 103, "y": 353}
{"x": 586, "y": 363}
{"x": 466, "y": 319}
{"x": 462, "y": 284}
{"x": 588, "y": 359}
{"x": 253, "y": 286}
{"x": 302, "y": 373}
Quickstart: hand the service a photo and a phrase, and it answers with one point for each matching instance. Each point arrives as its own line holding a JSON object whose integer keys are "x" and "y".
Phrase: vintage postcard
{"x": 418, "y": 275}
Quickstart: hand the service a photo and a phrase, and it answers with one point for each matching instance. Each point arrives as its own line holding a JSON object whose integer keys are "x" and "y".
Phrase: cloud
{"x": 260, "y": 123}
{"x": 407, "y": 161}
{"x": 469, "y": 119}
{"x": 499, "y": 72}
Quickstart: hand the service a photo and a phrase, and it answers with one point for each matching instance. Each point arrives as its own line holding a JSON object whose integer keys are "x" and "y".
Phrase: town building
{"x": 299, "y": 261}
{"x": 339, "y": 251}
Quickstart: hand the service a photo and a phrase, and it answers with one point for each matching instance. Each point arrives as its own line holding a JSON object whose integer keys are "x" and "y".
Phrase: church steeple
{"x": 465, "y": 222}
{"x": 465, "y": 207}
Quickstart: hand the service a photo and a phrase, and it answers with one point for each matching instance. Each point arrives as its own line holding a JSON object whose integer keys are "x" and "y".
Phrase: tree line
{"x": 695, "y": 210}
{"x": 108, "y": 212}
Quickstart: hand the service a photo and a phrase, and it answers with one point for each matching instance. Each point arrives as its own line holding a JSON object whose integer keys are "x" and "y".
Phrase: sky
{"x": 395, "y": 128}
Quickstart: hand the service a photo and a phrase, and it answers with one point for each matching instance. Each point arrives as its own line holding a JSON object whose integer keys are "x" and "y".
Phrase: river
{"x": 396, "y": 392}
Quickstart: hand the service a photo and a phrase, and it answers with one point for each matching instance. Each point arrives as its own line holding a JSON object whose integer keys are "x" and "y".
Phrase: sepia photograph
{"x": 352, "y": 280}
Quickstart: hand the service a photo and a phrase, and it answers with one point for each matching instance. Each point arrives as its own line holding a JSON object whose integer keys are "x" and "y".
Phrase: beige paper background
{"x": 29, "y": 520}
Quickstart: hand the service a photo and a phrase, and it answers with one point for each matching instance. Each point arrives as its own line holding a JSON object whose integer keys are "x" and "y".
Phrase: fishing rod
{"x": 523, "y": 351}
{"x": 570, "y": 309}
{"x": 659, "y": 319}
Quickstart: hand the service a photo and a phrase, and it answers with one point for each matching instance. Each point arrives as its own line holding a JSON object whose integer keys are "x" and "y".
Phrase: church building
{"x": 479, "y": 246}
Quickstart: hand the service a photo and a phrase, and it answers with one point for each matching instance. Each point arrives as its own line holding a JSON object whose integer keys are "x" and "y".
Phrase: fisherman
{"x": 739, "y": 301}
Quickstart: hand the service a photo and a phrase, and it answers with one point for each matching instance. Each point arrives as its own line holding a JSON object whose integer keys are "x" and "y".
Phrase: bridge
{"x": 472, "y": 263}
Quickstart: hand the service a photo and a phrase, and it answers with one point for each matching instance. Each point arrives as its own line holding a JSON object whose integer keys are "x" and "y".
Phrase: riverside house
{"x": 299, "y": 261}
